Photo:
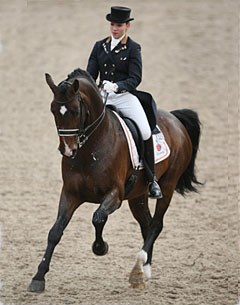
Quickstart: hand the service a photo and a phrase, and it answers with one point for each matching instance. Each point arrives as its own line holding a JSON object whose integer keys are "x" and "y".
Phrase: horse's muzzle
{"x": 67, "y": 152}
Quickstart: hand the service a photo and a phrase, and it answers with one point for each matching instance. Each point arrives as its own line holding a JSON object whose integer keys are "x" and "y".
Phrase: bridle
{"x": 82, "y": 133}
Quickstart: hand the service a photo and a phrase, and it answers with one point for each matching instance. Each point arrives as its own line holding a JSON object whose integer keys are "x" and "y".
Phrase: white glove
{"x": 109, "y": 87}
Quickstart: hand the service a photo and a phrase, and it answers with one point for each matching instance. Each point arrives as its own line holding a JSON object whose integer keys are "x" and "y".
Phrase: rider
{"x": 118, "y": 60}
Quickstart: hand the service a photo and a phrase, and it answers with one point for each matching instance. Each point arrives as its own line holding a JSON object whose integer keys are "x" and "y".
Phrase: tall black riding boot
{"x": 149, "y": 162}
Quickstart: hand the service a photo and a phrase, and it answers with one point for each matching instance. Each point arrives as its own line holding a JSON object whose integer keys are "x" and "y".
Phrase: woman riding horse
{"x": 118, "y": 61}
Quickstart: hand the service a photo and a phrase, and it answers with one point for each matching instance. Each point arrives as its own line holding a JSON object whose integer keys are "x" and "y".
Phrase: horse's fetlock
{"x": 142, "y": 256}
{"x": 147, "y": 272}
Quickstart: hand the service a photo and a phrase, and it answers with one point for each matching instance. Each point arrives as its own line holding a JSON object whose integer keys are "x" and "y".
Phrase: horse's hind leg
{"x": 142, "y": 268}
{"x": 67, "y": 206}
{"x": 155, "y": 226}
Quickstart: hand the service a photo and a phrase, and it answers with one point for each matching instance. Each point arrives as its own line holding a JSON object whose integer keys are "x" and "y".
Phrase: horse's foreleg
{"x": 110, "y": 203}
{"x": 67, "y": 206}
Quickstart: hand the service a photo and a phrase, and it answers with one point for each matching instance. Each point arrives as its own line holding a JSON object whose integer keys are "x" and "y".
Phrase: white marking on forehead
{"x": 63, "y": 109}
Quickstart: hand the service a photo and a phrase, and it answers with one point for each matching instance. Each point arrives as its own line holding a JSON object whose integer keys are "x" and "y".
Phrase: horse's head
{"x": 70, "y": 114}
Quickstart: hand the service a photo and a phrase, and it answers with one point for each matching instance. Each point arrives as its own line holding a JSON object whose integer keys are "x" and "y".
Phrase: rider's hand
{"x": 109, "y": 87}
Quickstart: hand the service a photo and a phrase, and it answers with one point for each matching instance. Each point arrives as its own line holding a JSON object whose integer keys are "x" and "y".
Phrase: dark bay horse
{"x": 96, "y": 166}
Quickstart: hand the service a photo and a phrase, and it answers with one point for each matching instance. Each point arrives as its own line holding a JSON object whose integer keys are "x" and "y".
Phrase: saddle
{"x": 160, "y": 146}
{"x": 136, "y": 146}
{"x": 137, "y": 137}
{"x": 136, "y": 134}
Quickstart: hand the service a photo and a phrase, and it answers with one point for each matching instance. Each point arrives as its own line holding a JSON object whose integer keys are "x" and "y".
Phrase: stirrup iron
{"x": 154, "y": 190}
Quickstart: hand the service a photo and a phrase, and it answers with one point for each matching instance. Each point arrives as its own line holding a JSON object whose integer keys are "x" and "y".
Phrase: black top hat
{"x": 119, "y": 14}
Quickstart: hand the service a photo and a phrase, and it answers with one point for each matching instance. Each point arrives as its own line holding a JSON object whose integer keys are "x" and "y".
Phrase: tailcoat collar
{"x": 123, "y": 41}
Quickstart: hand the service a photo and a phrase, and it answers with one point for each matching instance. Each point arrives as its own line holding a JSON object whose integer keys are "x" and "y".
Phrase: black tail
{"x": 190, "y": 120}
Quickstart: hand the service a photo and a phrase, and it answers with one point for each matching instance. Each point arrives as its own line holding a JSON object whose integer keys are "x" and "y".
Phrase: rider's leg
{"x": 130, "y": 107}
{"x": 154, "y": 189}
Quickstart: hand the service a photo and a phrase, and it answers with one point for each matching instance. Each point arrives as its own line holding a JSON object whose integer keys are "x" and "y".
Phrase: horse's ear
{"x": 75, "y": 86}
{"x": 50, "y": 82}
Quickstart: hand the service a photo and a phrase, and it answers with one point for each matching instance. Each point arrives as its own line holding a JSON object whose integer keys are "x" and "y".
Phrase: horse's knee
{"x": 99, "y": 217}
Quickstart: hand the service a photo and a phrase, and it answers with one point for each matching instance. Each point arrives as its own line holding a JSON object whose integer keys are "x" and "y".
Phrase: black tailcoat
{"x": 123, "y": 66}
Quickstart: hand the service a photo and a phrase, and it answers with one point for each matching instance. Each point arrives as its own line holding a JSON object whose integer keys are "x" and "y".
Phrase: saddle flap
{"x": 161, "y": 148}
{"x": 136, "y": 134}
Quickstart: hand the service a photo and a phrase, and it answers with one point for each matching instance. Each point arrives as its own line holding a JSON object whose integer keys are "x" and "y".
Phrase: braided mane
{"x": 79, "y": 73}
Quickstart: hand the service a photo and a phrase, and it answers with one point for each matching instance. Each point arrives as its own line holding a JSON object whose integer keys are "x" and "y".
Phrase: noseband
{"x": 83, "y": 133}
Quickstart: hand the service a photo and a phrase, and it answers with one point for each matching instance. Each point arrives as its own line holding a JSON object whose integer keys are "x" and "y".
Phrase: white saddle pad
{"x": 161, "y": 149}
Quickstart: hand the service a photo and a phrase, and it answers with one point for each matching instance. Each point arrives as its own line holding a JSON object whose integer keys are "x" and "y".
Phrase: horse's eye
{"x": 75, "y": 112}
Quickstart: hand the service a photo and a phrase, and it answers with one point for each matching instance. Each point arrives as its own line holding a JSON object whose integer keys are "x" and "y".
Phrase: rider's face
{"x": 119, "y": 29}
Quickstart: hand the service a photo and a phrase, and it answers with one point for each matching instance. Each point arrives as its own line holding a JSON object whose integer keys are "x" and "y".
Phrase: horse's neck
{"x": 95, "y": 104}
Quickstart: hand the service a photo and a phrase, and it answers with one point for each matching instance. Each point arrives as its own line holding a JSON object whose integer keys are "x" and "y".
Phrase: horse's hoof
{"x": 137, "y": 283}
{"x": 136, "y": 278}
{"x": 100, "y": 249}
{"x": 36, "y": 286}
{"x": 139, "y": 286}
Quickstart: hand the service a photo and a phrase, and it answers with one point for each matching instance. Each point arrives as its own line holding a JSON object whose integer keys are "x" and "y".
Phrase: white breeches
{"x": 130, "y": 107}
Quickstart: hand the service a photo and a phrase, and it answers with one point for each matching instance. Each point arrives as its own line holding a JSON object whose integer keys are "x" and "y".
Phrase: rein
{"x": 82, "y": 133}
{"x": 85, "y": 133}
